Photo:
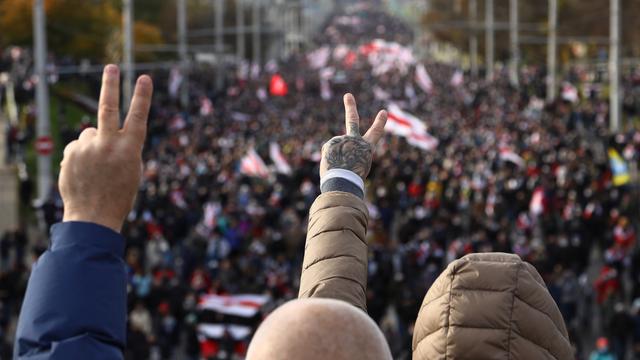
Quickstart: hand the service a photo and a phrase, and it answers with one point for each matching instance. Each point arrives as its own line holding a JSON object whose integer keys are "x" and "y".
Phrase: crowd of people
{"x": 509, "y": 173}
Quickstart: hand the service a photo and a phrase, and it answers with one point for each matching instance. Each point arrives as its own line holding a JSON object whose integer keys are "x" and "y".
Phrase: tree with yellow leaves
{"x": 76, "y": 28}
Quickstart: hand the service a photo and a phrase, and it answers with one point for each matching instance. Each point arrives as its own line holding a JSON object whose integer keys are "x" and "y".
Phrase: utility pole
{"x": 489, "y": 36}
{"x": 183, "y": 52}
{"x": 240, "y": 44}
{"x": 42, "y": 97}
{"x": 473, "y": 38}
{"x": 614, "y": 62}
{"x": 127, "y": 52}
{"x": 257, "y": 32}
{"x": 515, "y": 49}
{"x": 552, "y": 41}
{"x": 219, "y": 27}
{"x": 285, "y": 27}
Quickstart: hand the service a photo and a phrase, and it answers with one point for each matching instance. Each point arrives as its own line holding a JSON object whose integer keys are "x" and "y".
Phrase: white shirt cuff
{"x": 344, "y": 174}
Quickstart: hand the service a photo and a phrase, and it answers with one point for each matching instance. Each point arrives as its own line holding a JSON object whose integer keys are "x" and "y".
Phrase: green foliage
{"x": 78, "y": 28}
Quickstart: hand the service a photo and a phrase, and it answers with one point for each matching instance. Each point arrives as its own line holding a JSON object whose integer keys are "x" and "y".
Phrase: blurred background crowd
{"x": 229, "y": 179}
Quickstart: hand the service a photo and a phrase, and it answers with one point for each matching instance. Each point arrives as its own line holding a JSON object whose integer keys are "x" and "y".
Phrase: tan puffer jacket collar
{"x": 490, "y": 306}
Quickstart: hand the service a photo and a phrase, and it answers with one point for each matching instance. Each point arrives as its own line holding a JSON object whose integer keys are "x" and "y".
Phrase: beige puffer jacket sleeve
{"x": 335, "y": 255}
{"x": 490, "y": 306}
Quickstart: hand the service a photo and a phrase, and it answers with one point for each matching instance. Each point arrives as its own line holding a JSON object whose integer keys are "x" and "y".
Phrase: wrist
{"x": 342, "y": 180}
{"x": 93, "y": 217}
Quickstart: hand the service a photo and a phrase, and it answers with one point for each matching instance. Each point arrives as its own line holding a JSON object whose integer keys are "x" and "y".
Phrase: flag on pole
{"x": 423, "y": 79}
{"x": 253, "y": 165}
{"x": 282, "y": 166}
{"x": 619, "y": 168}
{"x": 423, "y": 141}
{"x": 402, "y": 123}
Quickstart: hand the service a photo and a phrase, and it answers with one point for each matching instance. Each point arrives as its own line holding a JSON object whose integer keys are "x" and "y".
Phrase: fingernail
{"x": 111, "y": 69}
{"x": 144, "y": 80}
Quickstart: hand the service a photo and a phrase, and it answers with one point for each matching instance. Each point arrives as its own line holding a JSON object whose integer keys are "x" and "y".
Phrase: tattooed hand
{"x": 352, "y": 151}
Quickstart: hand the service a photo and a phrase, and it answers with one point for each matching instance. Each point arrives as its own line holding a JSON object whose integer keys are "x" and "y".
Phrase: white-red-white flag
{"x": 402, "y": 123}
{"x": 253, "y": 165}
{"x": 423, "y": 79}
{"x": 244, "y": 305}
{"x": 423, "y": 140}
{"x": 282, "y": 166}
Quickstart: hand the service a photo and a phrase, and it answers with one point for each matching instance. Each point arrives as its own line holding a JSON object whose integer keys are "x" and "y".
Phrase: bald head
{"x": 318, "y": 329}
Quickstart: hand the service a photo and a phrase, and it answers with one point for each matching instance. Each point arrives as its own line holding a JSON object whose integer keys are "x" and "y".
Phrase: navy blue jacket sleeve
{"x": 75, "y": 305}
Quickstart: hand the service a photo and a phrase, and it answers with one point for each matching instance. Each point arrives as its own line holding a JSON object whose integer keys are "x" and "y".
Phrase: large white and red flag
{"x": 253, "y": 165}
{"x": 423, "y": 140}
{"x": 282, "y": 166}
{"x": 243, "y": 305}
{"x": 423, "y": 79}
{"x": 402, "y": 123}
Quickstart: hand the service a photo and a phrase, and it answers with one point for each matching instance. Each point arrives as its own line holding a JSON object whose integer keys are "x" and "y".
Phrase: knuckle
{"x": 70, "y": 146}
{"x": 88, "y": 132}
{"x": 108, "y": 109}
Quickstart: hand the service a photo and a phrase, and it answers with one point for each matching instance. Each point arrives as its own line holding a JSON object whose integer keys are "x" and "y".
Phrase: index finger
{"x": 109, "y": 104}
{"x": 351, "y": 115}
{"x": 135, "y": 126}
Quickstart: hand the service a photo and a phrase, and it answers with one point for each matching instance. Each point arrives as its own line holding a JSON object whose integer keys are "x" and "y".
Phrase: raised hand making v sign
{"x": 351, "y": 152}
{"x": 75, "y": 306}
{"x": 101, "y": 171}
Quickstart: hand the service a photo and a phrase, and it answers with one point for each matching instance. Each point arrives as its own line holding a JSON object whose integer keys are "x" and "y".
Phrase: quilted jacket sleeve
{"x": 335, "y": 258}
